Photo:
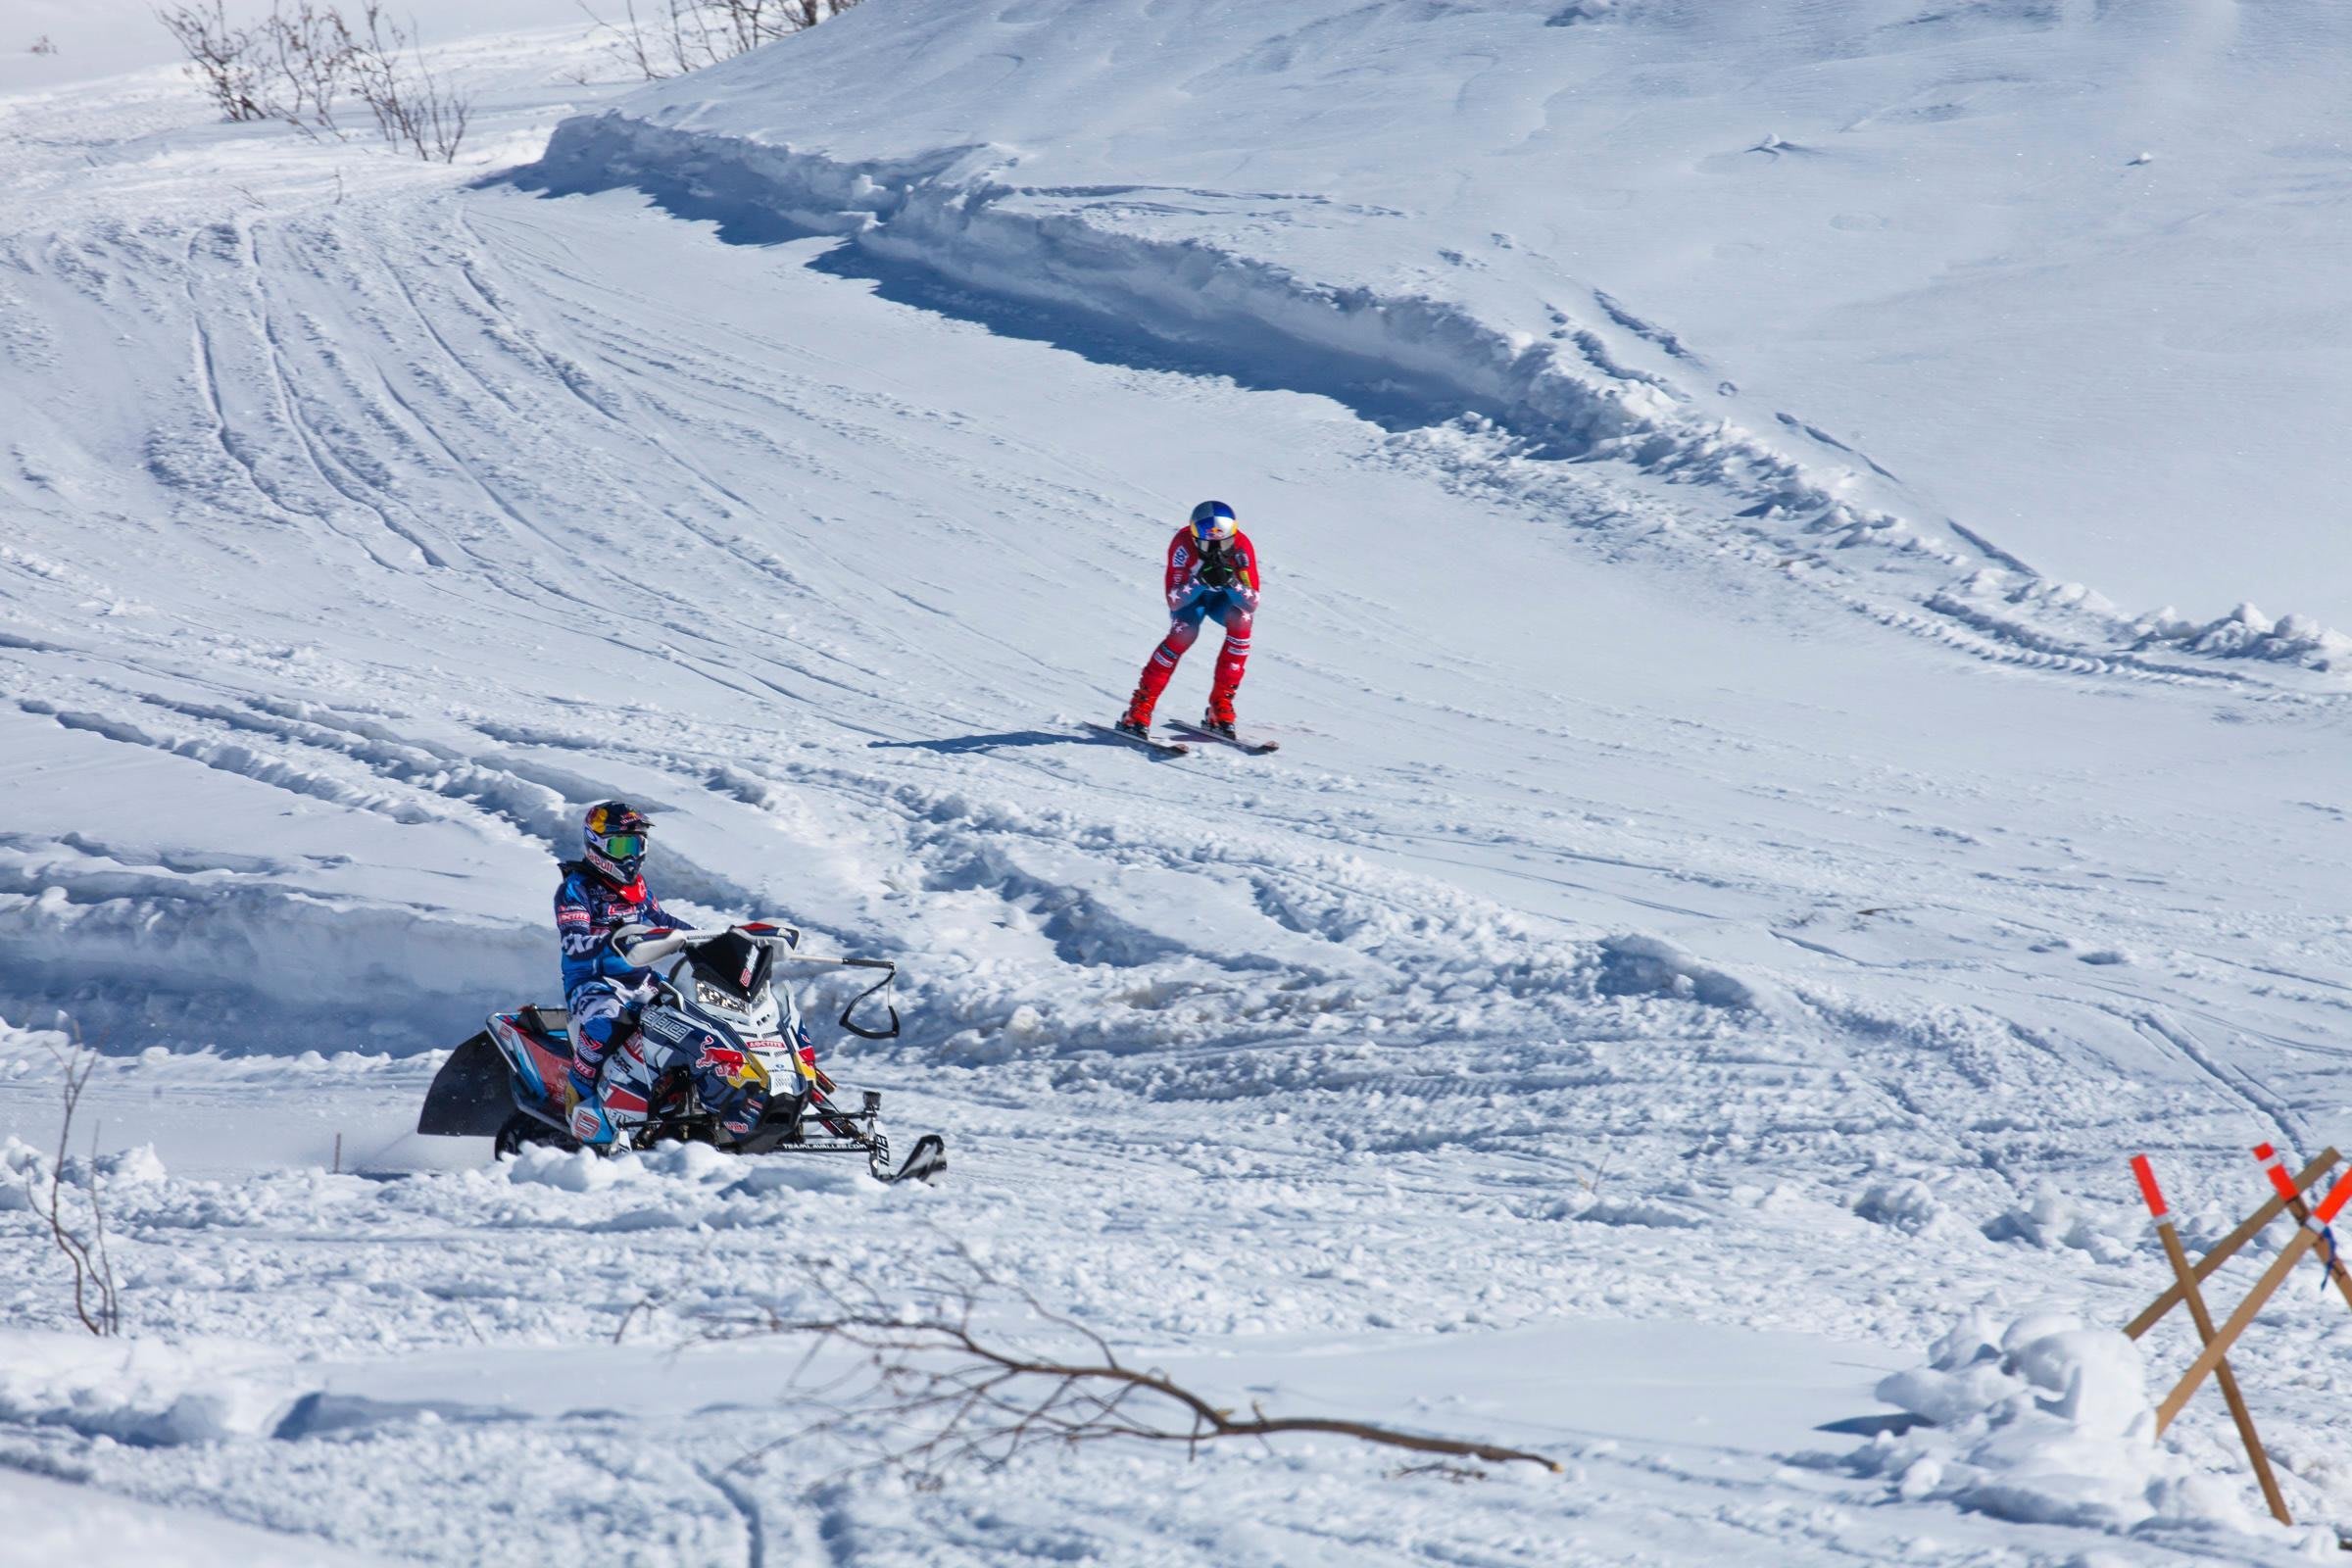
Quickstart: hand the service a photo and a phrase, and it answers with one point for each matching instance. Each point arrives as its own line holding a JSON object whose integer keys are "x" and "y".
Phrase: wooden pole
{"x": 2177, "y": 1256}
{"x": 2274, "y": 1165}
{"x": 2230, "y": 1242}
{"x": 2256, "y": 1298}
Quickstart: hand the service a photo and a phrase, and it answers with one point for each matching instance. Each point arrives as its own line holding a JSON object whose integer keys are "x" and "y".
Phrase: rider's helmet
{"x": 612, "y": 837}
{"x": 1213, "y": 523}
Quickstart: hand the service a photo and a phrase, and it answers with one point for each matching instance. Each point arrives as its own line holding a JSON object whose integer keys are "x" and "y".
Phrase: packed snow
{"x": 1680, "y": 1001}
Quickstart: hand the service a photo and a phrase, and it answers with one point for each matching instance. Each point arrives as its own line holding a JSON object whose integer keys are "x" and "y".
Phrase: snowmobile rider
{"x": 1212, "y": 574}
{"x": 601, "y": 892}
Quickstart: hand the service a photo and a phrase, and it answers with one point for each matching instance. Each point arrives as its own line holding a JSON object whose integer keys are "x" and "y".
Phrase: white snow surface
{"x": 1680, "y": 998}
{"x": 1868, "y": 260}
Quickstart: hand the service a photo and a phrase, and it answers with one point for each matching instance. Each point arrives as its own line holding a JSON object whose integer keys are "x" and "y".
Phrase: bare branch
{"x": 225, "y": 60}
{"x": 689, "y": 34}
{"x": 293, "y": 66}
{"x": 929, "y": 1391}
{"x": 96, "y": 1301}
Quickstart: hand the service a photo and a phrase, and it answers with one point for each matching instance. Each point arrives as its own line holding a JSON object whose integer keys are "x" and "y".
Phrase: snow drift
{"x": 2046, "y": 1420}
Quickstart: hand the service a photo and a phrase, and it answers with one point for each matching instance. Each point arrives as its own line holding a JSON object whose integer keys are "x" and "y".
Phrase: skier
{"x": 601, "y": 892}
{"x": 1212, "y": 574}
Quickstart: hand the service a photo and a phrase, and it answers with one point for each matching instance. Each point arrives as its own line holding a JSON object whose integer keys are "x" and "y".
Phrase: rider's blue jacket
{"x": 588, "y": 910}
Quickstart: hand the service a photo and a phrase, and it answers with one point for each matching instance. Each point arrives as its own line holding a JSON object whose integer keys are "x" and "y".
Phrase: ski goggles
{"x": 622, "y": 846}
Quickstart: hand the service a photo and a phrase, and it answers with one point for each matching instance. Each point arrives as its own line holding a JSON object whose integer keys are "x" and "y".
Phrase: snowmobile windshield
{"x": 734, "y": 964}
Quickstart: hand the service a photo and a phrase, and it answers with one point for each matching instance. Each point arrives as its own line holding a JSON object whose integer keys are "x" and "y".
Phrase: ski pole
{"x": 2274, "y": 1165}
{"x": 2229, "y": 1243}
{"x": 2313, "y": 1227}
{"x": 2177, "y": 1256}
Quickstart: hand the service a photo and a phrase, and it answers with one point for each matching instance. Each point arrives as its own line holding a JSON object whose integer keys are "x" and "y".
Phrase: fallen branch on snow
{"x": 941, "y": 1391}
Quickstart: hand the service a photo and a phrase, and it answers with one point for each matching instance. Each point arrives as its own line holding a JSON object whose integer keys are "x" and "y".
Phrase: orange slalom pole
{"x": 2256, "y": 1298}
{"x": 2177, "y": 1256}
{"x": 2274, "y": 1165}
{"x": 2227, "y": 1249}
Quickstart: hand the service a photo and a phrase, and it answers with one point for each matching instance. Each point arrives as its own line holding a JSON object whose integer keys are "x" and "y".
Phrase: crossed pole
{"x": 2229, "y": 1245}
{"x": 2211, "y": 1359}
{"x": 2187, "y": 1275}
{"x": 2291, "y": 1193}
{"x": 2307, "y": 1236}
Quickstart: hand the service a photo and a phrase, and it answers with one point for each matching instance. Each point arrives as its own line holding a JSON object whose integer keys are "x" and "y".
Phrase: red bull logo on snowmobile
{"x": 737, "y": 1066}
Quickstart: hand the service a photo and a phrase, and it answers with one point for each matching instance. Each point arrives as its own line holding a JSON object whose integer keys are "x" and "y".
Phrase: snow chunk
{"x": 578, "y": 1171}
{"x": 22, "y": 1167}
{"x": 2052, "y": 1220}
{"x": 140, "y": 1163}
{"x": 1909, "y": 1206}
{"x": 1638, "y": 966}
{"x": 2247, "y": 633}
{"x": 2043, "y": 1421}
{"x": 1646, "y": 1213}
{"x": 694, "y": 1162}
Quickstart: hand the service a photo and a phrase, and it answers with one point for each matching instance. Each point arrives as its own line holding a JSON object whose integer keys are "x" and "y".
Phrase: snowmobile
{"x": 725, "y": 1060}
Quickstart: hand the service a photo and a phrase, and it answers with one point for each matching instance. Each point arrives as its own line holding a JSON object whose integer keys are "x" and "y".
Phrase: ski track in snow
{"x": 1670, "y": 953}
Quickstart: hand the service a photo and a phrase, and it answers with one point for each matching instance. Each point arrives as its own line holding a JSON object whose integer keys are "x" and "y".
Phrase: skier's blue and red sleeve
{"x": 581, "y": 943}
{"x": 1184, "y": 568}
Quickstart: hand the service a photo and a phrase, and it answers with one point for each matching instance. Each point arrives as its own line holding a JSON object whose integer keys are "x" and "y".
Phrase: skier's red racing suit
{"x": 1191, "y": 601}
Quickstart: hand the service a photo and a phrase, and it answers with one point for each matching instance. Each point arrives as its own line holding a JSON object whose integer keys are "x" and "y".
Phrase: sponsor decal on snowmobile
{"x": 737, "y": 1066}
{"x": 665, "y": 1026}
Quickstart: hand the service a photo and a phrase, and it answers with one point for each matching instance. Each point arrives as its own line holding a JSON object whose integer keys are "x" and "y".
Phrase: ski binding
{"x": 1255, "y": 748}
{"x": 1149, "y": 742}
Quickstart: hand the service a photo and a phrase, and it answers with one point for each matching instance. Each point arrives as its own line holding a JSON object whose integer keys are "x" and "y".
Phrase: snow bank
{"x": 2044, "y": 1421}
{"x": 139, "y": 1390}
{"x": 24, "y": 1169}
{"x": 2247, "y": 633}
{"x": 243, "y": 959}
{"x": 52, "y": 1521}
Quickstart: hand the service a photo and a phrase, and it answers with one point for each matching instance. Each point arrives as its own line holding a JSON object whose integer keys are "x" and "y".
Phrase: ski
{"x": 929, "y": 1158}
{"x": 1255, "y": 748}
{"x": 1147, "y": 742}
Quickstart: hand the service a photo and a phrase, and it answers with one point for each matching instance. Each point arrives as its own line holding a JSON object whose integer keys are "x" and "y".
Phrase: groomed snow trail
{"x": 1627, "y": 942}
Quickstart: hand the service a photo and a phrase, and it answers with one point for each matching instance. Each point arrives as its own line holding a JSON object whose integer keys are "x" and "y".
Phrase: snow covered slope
{"x": 2068, "y": 270}
{"x": 1670, "y": 953}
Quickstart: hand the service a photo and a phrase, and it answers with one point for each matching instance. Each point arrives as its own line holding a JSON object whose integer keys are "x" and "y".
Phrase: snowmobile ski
{"x": 1149, "y": 743}
{"x": 1255, "y": 747}
{"x": 928, "y": 1159}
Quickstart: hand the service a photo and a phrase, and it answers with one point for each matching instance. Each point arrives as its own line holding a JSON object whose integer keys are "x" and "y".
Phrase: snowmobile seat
{"x": 553, "y": 1022}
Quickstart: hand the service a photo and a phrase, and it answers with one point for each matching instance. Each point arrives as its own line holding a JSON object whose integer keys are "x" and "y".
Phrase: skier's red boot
{"x": 1137, "y": 720}
{"x": 1218, "y": 720}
